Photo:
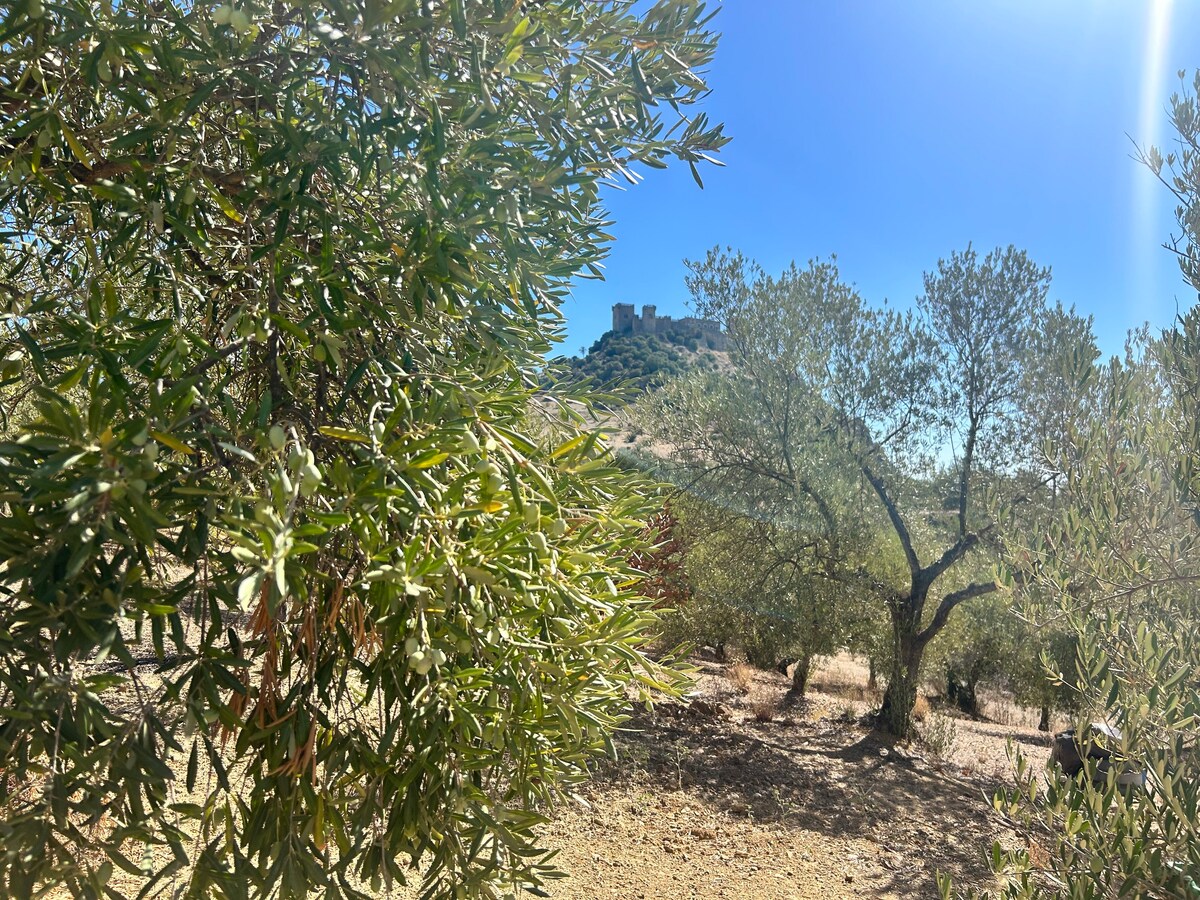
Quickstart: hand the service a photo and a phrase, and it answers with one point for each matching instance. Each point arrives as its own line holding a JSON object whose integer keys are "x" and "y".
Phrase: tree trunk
{"x": 1044, "y": 723}
{"x": 969, "y": 702}
{"x": 895, "y": 715}
{"x": 960, "y": 692}
{"x": 872, "y": 674}
{"x": 800, "y": 673}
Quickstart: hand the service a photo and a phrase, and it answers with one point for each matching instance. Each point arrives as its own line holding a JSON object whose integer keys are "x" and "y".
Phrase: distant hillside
{"x": 645, "y": 361}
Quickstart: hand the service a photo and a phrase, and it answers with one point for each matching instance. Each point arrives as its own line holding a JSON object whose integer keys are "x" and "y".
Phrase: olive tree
{"x": 756, "y": 586}
{"x": 1114, "y": 564}
{"x": 837, "y": 413}
{"x": 981, "y": 646}
{"x": 299, "y": 586}
{"x": 991, "y": 643}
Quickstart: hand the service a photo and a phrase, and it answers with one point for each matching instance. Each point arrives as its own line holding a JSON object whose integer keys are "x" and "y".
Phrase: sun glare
{"x": 1147, "y": 231}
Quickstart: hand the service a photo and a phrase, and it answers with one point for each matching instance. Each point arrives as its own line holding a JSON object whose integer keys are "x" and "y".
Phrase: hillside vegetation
{"x": 641, "y": 361}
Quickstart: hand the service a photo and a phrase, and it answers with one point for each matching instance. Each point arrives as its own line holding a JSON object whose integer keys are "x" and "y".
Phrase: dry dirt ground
{"x": 707, "y": 802}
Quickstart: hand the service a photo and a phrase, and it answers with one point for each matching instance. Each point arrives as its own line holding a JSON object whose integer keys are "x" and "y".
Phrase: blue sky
{"x": 891, "y": 133}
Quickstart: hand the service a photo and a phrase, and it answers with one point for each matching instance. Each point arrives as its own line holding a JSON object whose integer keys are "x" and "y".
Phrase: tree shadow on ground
{"x": 1041, "y": 739}
{"x": 836, "y": 779}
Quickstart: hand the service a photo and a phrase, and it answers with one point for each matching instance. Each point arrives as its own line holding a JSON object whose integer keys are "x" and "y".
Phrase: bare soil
{"x": 705, "y": 801}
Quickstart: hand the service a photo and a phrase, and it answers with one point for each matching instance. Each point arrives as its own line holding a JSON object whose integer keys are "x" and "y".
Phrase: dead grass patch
{"x": 741, "y": 676}
{"x": 844, "y": 676}
{"x": 921, "y": 708}
{"x": 1001, "y": 708}
{"x": 764, "y": 708}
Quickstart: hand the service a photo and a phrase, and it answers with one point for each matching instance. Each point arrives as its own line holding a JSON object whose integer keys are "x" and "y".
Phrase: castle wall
{"x": 626, "y": 321}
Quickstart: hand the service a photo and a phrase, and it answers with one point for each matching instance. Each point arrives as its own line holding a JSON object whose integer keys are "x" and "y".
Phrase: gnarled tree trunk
{"x": 800, "y": 674}
{"x": 909, "y": 636}
{"x": 895, "y": 715}
{"x": 960, "y": 691}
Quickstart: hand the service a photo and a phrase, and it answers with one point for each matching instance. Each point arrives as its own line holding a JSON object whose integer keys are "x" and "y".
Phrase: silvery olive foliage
{"x": 757, "y": 591}
{"x": 873, "y": 435}
{"x": 1114, "y": 562}
{"x": 301, "y": 585}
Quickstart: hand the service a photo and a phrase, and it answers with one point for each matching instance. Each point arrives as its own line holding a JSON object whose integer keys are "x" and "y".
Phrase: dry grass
{"x": 741, "y": 676}
{"x": 921, "y": 708}
{"x": 844, "y": 676}
{"x": 764, "y": 708}
{"x": 1000, "y": 707}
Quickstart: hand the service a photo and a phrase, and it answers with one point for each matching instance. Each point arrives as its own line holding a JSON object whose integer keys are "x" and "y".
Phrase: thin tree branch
{"x": 910, "y": 554}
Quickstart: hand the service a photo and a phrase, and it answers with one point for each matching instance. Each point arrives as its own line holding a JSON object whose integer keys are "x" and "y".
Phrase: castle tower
{"x": 648, "y": 318}
{"x": 622, "y": 314}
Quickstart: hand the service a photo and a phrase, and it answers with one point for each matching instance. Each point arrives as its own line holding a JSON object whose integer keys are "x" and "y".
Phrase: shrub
{"x": 765, "y": 709}
{"x": 939, "y": 736}
{"x": 741, "y": 676}
{"x": 277, "y": 283}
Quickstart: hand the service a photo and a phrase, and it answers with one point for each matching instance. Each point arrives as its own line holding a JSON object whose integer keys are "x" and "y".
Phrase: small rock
{"x": 708, "y": 710}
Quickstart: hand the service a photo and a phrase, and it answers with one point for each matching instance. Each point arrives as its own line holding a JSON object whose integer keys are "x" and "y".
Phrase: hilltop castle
{"x": 626, "y": 321}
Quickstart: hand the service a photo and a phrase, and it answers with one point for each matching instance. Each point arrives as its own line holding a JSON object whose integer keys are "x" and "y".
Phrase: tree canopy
{"x": 299, "y": 588}
{"x": 843, "y": 419}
